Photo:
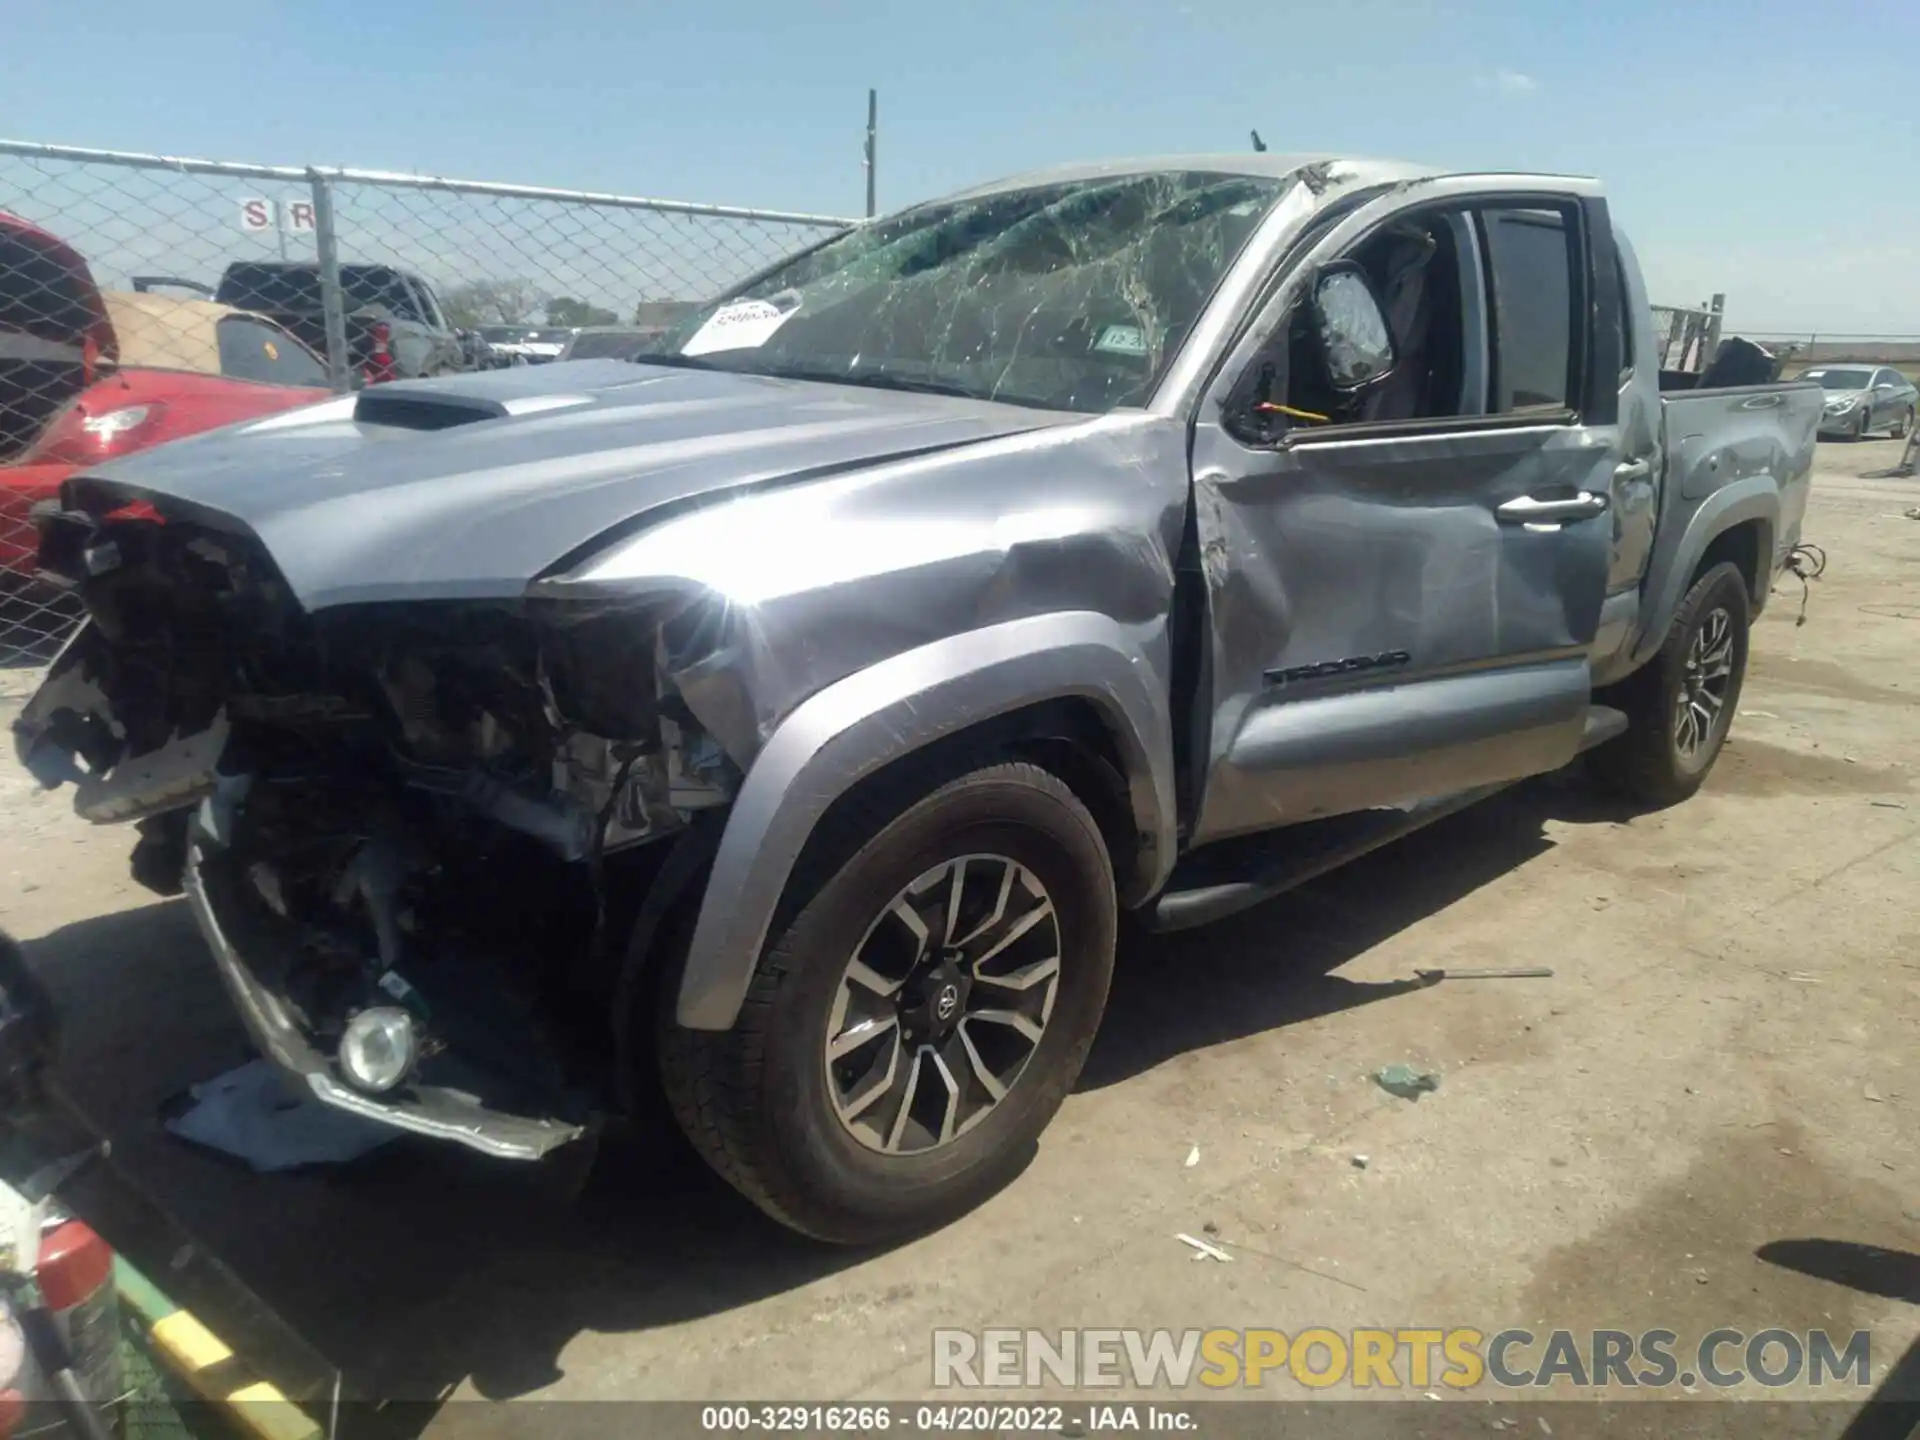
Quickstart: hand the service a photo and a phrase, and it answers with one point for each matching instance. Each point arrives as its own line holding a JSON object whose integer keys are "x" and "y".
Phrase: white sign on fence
{"x": 257, "y": 215}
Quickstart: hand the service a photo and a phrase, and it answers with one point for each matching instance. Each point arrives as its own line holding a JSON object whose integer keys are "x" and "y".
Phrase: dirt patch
{"x": 1688, "y": 1256}
{"x": 1823, "y": 677}
{"x": 1756, "y": 769}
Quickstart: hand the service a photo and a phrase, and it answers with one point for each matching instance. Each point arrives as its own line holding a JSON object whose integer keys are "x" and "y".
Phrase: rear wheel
{"x": 1680, "y": 704}
{"x": 917, "y": 1017}
{"x": 1903, "y": 427}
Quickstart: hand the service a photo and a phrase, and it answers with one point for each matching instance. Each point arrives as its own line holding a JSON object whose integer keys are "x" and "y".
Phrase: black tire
{"x": 755, "y": 1100}
{"x": 1905, "y": 425}
{"x": 1648, "y": 762}
{"x": 1863, "y": 425}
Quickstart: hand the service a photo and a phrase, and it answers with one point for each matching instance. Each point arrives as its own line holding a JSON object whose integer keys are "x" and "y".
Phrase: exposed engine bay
{"x": 440, "y": 815}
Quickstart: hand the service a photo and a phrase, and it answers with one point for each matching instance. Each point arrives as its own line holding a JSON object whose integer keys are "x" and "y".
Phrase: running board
{"x": 1225, "y": 878}
{"x": 1603, "y": 723}
{"x": 1234, "y": 875}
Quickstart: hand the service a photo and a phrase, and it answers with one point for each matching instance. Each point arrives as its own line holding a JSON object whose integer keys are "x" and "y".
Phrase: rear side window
{"x": 430, "y": 305}
{"x": 250, "y": 350}
{"x": 1530, "y": 257}
{"x": 376, "y": 286}
{"x": 269, "y": 287}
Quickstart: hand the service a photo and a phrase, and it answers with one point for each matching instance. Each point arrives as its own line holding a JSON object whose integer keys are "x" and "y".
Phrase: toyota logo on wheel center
{"x": 948, "y": 1002}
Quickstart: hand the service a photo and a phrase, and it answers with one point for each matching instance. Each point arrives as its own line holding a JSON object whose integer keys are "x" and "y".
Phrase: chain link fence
{"x": 146, "y": 297}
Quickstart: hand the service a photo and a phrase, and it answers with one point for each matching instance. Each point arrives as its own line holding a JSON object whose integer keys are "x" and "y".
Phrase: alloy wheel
{"x": 942, "y": 1004}
{"x": 1701, "y": 703}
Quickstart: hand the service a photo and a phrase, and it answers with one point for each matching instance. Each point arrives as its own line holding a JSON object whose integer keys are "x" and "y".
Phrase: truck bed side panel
{"x": 1733, "y": 457}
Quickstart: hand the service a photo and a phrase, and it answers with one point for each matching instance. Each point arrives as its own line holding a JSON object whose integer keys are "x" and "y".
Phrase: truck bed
{"x": 1713, "y": 439}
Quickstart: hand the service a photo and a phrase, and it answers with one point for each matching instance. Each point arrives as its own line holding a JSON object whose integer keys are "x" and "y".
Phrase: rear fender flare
{"x": 890, "y": 710}
{"x": 1756, "y": 498}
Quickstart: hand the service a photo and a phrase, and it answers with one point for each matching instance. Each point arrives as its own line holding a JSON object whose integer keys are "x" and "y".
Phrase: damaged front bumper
{"x": 452, "y": 808}
{"x": 438, "y": 1112}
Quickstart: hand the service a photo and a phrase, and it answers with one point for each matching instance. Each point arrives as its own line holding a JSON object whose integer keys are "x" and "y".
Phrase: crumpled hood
{"x": 356, "y": 503}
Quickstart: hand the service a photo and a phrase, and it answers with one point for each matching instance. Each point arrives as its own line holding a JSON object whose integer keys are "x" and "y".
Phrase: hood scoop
{"x": 404, "y": 410}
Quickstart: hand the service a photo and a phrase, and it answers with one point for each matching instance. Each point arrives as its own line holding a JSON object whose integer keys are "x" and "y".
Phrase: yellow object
{"x": 267, "y": 1413}
{"x": 189, "y": 1345}
{"x": 200, "y": 1355}
{"x": 1296, "y": 414}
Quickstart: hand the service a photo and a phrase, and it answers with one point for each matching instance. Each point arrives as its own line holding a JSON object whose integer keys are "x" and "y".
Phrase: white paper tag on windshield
{"x": 1122, "y": 340}
{"x": 743, "y": 325}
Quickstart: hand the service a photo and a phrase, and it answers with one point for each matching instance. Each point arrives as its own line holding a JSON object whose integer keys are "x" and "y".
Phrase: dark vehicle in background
{"x": 610, "y": 342}
{"x": 396, "y": 328}
{"x": 1864, "y": 398}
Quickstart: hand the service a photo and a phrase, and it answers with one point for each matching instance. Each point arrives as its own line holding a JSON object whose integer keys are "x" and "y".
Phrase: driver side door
{"x": 1403, "y": 603}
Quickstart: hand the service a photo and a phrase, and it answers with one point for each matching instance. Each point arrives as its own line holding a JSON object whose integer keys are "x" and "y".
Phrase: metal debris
{"x": 1521, "y": 972}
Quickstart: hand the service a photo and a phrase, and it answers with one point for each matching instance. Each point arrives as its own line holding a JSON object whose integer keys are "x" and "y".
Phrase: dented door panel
{"x": 1466, "y": 635}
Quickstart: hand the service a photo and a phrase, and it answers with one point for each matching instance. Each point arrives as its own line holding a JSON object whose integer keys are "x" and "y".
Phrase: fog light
{"x": 377, "y": 1050}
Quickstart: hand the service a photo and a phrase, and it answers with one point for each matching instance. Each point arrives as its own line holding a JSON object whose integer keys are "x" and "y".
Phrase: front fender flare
{"x": 856, "y": 725}
{"x": 1755, "y": 498}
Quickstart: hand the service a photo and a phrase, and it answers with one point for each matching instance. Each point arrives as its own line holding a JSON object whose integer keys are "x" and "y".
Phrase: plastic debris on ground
{"x": 1203, "y": 1251}
{"x": 253, "y": 1115}
{"x": 1406, "y": 1082}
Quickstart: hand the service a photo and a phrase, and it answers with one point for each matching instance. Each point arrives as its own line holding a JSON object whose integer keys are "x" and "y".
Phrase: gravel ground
{"x": 1722, "y": 1064}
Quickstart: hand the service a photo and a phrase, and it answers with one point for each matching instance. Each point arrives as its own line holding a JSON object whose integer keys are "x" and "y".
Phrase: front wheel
{"x": 917, "y": 1019}
{"x": 1680, "y": 704}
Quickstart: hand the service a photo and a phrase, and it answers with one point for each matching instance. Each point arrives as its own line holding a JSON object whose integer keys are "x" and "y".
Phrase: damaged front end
{"x": 415, "y": 834}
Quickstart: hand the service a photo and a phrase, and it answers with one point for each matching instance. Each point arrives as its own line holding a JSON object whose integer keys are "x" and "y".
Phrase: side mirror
{"x": 1355, "y": 342}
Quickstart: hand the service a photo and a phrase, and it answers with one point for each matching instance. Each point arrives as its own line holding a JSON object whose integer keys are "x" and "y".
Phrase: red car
{"x": 87, "y": 375}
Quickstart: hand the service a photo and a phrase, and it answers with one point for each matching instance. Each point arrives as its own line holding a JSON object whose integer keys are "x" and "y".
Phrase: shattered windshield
{"x": 1073, "y": 296}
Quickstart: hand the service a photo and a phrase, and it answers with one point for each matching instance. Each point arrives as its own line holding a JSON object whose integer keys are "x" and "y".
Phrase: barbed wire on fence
{"x": 270, "y": 285}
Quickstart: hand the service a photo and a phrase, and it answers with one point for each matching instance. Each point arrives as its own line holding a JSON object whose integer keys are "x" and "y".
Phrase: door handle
{"x": 1527, "y": 510}
{"x": 1633, "y": 470}
{"x": 1763, "y": 402}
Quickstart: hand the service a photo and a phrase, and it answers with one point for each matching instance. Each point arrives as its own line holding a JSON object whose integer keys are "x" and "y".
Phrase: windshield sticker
{"x": 1122, "y": 340}
{"x": 743, "y": 325}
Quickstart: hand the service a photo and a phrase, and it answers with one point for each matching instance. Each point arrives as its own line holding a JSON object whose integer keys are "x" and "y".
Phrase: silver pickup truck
{"x": 793, "y": 714}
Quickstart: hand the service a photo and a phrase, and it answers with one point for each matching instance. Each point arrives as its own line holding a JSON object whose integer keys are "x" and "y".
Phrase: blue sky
{"x": 1767, "y": 148}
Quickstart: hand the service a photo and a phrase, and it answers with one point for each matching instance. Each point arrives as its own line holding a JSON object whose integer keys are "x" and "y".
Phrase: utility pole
{"x": 873, "y": 142}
